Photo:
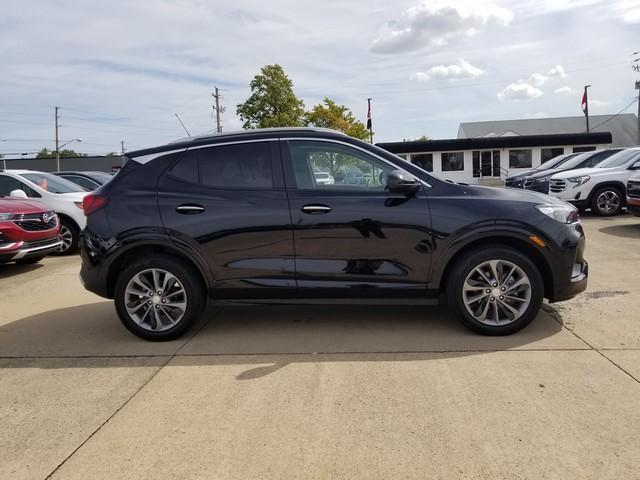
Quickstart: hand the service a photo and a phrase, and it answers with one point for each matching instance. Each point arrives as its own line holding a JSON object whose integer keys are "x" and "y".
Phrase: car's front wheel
{"x": 607, "y": 201}
{"x": 495, "y": 290}
{"x": 159, "y": 297}
{"x": 70, "y": 234}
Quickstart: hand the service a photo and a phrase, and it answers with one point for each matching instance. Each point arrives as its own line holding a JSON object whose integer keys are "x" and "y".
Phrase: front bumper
{"x": 21, "y": 250}
{"x": 571, "y": 270}
{"x": 633, "y": 206}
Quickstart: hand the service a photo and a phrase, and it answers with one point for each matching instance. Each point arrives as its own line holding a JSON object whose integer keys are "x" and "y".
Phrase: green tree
{"x": 272, "y": 102}
{"x": 329, "y": 114}
{"x": 66, "y": 153}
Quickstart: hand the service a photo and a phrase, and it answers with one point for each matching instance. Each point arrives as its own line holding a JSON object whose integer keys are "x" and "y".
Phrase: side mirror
{"x": 18, "y": 194}
{"x": 399, "y": 181}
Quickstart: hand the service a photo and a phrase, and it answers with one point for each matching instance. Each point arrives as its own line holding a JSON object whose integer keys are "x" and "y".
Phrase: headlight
{"x": 4, "y": 217}
{"x": 560, "y": 213}
{"x": 542, "y": 179}
{"x": 579, "y": 180}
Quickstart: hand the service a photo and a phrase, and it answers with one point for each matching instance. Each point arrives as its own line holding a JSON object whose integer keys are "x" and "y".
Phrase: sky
{"x": 121, "y": 69}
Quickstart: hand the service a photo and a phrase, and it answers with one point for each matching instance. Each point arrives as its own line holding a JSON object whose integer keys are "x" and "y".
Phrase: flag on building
{"x": 584, "y": 104}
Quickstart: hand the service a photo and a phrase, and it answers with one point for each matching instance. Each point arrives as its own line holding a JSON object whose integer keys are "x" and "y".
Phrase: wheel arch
{"x": 610, "y": 183}
{"x": 516, "y": 243}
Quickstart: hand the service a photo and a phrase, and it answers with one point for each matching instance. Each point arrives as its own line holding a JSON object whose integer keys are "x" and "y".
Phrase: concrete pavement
{"x": 323, "y": 392}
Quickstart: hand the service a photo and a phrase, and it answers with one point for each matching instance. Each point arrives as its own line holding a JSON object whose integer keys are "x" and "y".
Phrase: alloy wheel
{"x": 496, "y": 292}
{"x": 155, "y": 299}
{"x": 608, "y": 201}
{"x": 67, "y": 238}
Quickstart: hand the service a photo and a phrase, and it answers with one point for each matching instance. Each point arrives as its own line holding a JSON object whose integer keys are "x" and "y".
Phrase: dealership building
{"x": 487, "y": 152}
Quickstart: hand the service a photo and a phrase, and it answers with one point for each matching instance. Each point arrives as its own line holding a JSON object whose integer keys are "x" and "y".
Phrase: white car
{"x": 601, "y": 188}
{"x": 62, "y": 196}
{"x": 323, "y": 178}
{"x": 633, "y": 194}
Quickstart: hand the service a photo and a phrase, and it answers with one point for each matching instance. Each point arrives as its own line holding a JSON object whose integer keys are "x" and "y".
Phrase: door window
{"x": 331, "y": 166}
{"x": 242, "y": 165}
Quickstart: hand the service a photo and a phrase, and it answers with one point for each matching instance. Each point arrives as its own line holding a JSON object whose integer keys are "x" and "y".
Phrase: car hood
{"x": 510, "y": 195}
{"x": 579, "y": 172}
{"x": 19, "y": 206}
{"x": 518, "y": 176}
{"x": 544, "y": 173}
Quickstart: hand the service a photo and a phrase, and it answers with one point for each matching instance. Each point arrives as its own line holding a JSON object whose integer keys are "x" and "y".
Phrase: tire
{"x": 464, "y": 284}
{"x": 71, "y": 237}
{"x": 29, "y": 260}
{"x": 174, "y": 320}
{"x": 607, "y": 201}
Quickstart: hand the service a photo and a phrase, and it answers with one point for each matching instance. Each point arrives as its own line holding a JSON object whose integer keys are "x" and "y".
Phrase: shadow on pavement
{"x": 626, "y": 231}
{"x": 271, "y": 335}
{"x": 12, "y": 269}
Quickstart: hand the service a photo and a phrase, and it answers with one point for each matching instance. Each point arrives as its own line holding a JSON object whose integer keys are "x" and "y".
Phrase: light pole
{"x": 79, "y": 140}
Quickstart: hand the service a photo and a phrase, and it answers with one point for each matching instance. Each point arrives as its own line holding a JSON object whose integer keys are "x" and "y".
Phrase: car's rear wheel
{"x": 495, "y": 290}
{"x": 70, "y": 234}
{"x": 159, "y": 297}
{"x": 607, "y": 201}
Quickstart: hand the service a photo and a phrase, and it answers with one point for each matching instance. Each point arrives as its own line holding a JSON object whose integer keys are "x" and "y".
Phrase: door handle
{"x": 190, "y": 209}
{"x": 315, "y": 209}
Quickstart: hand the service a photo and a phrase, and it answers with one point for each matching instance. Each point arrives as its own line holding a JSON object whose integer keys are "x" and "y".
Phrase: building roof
{"x": 623, "y": 127}
{"x": 488, "y": 143}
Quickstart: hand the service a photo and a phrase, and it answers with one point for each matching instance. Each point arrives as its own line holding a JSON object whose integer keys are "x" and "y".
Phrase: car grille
{"x": 633, "y": 189}
{"x": 513, "y": 183}
{"x": 557, "y": 185}
{"x": 40, "y": 243}
{"x": 34, "y": 222}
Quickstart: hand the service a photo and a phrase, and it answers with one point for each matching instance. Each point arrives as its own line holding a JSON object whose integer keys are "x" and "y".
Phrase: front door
{"x": 351, "y": 237}
{"x": 486, "y": 163}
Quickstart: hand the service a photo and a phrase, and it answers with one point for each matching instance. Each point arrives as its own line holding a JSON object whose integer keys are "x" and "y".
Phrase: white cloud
{"x": 436, "y": 23}
{"x": 461, "y": 69}
{"x": 537, "y": 79}
{"x": 565, "y": 90}
{"x": 557, "y": 71}
{"x": 628, "y": 11}
{"x": 519, "y": 91}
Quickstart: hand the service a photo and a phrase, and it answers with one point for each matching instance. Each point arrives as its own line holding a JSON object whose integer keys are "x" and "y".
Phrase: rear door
{"x": 352, "y": 238}
{"x": 228, "y": 201}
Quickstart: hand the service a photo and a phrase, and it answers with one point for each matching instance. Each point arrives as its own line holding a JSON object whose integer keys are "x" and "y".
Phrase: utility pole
{"x": 122, "y": 147}
{"x": 57, "y": 142}
{"x": 638, "y": 88}
{"x": 218, "y": 109}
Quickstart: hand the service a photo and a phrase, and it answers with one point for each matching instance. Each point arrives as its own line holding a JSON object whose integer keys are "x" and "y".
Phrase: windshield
{"x": 101, "y": 177}
{"x": 619, "y": 159}
{"x": 575, "y": 161}
{"x": 556, "y": 162}
{"x": 51, "y": 183}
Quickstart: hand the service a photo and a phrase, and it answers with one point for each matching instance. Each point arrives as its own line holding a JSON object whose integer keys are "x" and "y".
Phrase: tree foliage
{"x": 329, "y": 114}
{"x": 272, "y": 102}
{"x": 66, "y": 153}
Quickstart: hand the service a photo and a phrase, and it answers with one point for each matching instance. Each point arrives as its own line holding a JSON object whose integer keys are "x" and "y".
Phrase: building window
{"x": 519, "y": 158}
{"x": 583, "y": 149}
{"x": 547, "y": 154}
{"x": 423, "y": 160}
{"x": 452, "y": 161}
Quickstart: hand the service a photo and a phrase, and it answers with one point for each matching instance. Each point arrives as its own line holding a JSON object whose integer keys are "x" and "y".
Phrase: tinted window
{"x": 556, "y": 162}
{"x": 9, "y": 184}
{"x": 83, "y": 182}
{"x": 243, "y": 165}
{"x": 423, "y": 160}
{"x": 619, "y": 159}
{"x": 452, "y": 161}
{"x": 519, "y": 158}
{"x": 547, "y": 154}
{"x": 186, "y": 167}
{"x": 348, "y": 168}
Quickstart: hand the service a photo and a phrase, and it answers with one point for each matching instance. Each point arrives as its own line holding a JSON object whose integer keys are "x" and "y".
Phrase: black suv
{"x": 240, "y": 217}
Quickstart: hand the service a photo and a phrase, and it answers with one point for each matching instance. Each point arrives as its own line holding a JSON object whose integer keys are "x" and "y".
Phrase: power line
{"x": 615, "y": 115}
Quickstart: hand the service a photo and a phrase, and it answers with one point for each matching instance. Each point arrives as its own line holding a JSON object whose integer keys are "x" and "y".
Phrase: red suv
{"x": 28, "y": 231}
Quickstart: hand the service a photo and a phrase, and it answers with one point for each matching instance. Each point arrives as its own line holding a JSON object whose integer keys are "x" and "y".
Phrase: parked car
{"x": 218, "y": 217}
{"x": 58, "y": 194}
{"x": 87, "y": 180}
{"x": 539, "y": 181}
{"x": 323, "y": 178}
{"x": 601, "y": 188}
{"x": 28, "y": 231}
{"x": 517, "y": 181}
{"x": 633, "y": 194}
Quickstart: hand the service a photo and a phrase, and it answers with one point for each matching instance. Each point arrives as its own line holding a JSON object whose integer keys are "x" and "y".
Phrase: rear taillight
{"x": 93, "y": 202}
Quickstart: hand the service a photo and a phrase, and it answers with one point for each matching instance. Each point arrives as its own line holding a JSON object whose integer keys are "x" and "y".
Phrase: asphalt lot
{"x": 323, "y": 392}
